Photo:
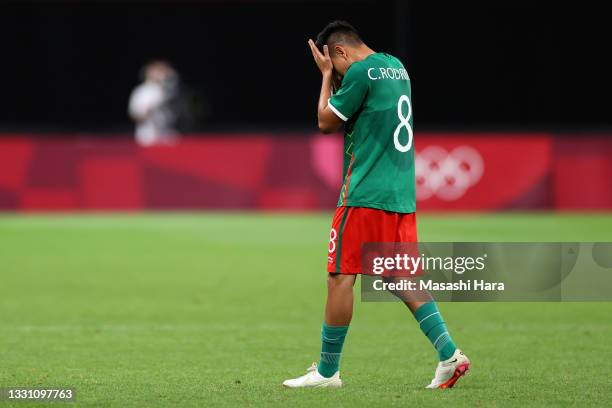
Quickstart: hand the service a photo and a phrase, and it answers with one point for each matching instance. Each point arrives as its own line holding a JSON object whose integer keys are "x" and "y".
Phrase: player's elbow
{"x": 326, "y": 127}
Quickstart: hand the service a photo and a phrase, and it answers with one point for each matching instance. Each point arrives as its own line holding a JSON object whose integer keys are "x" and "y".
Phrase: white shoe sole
{"x": 329, "y": 384}
{"x": 460, "y": 371}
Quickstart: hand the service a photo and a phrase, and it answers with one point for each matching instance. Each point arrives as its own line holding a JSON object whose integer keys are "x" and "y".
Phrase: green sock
{"x": 332, "y": 338}
{"x": 434, "y": 328}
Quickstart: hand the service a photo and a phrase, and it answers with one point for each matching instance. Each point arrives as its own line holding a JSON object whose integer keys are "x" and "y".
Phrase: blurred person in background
{"x": 155, "y": 104}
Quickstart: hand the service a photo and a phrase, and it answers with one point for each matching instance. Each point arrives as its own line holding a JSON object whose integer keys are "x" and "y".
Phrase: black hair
{"x": 338, "y": 32}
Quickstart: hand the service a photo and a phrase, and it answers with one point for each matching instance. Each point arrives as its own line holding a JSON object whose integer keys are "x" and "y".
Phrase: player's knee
{"x": 331, "y": 282}
{"x": 338, "y": 281}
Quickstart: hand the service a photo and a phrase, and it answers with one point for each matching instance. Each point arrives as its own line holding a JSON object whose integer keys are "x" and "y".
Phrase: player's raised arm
{"x": 328, "y": 121}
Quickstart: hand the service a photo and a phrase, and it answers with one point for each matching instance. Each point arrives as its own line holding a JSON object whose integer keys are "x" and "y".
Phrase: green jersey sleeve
{"x": 353, "y": 90}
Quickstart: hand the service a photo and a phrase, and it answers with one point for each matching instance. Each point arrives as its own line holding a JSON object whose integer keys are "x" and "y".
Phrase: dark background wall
{"x": 70, "y": 66}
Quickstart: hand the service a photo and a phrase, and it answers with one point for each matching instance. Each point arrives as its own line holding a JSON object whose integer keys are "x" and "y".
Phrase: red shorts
{"x": 354, "y": 226}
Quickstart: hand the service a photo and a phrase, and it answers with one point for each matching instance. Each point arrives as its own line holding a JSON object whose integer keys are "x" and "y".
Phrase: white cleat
{"x": 449, "y": 371}
{"x": 312, "y": 379}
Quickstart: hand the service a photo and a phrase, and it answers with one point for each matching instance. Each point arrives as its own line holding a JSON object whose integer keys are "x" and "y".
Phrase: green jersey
{"x": 374, "y": 101}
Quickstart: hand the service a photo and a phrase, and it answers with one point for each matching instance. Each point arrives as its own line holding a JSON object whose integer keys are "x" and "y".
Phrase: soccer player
{"x": 377, "y": 198}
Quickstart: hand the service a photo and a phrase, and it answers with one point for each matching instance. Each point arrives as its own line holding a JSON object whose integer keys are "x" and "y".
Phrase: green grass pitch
{"x": 217, "y": 309}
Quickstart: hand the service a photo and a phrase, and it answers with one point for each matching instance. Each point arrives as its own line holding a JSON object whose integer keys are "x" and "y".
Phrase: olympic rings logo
{"x": 446, "y": 175}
